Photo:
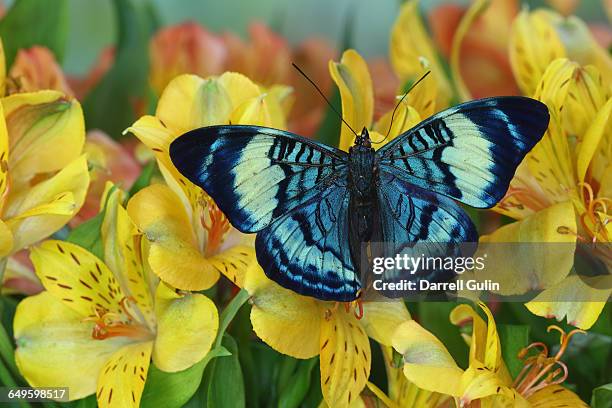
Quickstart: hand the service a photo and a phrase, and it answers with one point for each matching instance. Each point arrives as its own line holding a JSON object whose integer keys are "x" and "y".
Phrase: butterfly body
{"x": 313, "y": 206}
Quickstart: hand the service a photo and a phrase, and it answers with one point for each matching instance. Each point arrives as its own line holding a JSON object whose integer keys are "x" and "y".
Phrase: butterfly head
{"x": 363, "y": 139}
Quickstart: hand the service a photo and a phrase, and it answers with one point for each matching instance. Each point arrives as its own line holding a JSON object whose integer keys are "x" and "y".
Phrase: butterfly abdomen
{"x": 362, "y": 189}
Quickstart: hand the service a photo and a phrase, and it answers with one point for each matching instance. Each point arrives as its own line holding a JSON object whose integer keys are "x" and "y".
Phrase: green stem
{"x": 7, "y": 352}
{"x": 7, "y": 380}
{"x": 229, "y": 313}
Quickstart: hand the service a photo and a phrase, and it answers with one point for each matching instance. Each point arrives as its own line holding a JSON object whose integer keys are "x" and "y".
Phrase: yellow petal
{"x": 253, "y": 111}
{"x": 345, "y": 358}
{"x": 556, "y": 396}
{"x": 485, "y": 348}
{"x": 352, "y": 78}
{"x": 123, "y": 377}
{"x": 478, "y": 382}
{"x": 427, "y": 363}
{"x": 55, "y": 347}
{"x": 6, "y": 239}
{"x": 593, "y": 138}
{"x": 47, "y": 132}
{"x": 174, "y": 255}
{"x": 287, "y": 322}
{"x": 190, "y": 102}
{"x": 403, "y": 392}
{"x": 580, "y": 303}
{"x": 474, "y": 11}
{"x": 551, "y": 163}
{"x": 186, "y": 328}
{"x": 4, "y": 153}
{"x": 150, "y": 131}
{"x": 534, "y": 44}
{"x": 77, "y": 277}
{"x": 381, "y": 319}
{"x": 41, "y": 210}
{"x": 587, "y": 96}
{"x": 280, "y": 100}
{"x": 2, "y": 70}
{"x": 239, "y": 88}
{"x": 405, "y": 118}
{"x": 531, "y": 266}
{"x": 412, "y": 52}
{"x": 578, "y": 41}
{"x": 121, "y": 242}
{"x": 233, "y": 262}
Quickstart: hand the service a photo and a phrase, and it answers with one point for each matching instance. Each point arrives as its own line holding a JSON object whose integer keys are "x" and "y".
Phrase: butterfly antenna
{"x": 400, "y": 101}
{"x": 324, "y": 97}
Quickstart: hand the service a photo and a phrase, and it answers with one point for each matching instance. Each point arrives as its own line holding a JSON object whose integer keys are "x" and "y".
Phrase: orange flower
{"x": 35, "y": 69}
{"x": 484, "y": 65}
{"x": 185, "y": 48}
{"x": 82, "y": 85}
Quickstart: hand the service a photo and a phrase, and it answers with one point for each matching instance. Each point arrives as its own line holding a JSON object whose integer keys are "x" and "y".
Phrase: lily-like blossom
{"x": 181, "y": 222}
{"x": 265, "y": 58}
{"x": 106, "y": 319}
{"x": 185, "y": 48}
{"x": 35, "y": 69}
{"x": 484, "y": 64}
{"x": 561, "y": 193}
{"x": 304, "y": 327}
{"x": 487, "y": 381}
{"x": 541, "y": 36}
{"x": 43, "y": 173}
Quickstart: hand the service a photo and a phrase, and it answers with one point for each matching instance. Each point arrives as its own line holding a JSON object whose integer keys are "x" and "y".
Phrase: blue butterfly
{"x": 313, "y": 206}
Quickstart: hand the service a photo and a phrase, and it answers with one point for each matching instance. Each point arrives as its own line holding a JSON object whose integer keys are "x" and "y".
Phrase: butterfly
{"x": 313, "y": 205}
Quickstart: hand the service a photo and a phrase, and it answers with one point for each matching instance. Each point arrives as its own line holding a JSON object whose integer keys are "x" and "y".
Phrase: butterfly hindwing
{"x": 419, "y": 222}
{"x": 307, "y": 249}
{"x": 255, "y": 174}
{"x": 469, "y": 152}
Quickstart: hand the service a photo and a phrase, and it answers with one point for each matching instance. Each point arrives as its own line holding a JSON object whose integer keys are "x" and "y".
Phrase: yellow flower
{"x": 304, "y": 327}
{"x": 181, "y": 222}
{"x": 99, "y": 323}
{"x": 43, "y": 174}
{"x": 412, "y": 53}
{"x": 561, "y": 193}
{"x": 542, "y": 36}
{"x": 486, "y": 381}
{"x": 352, "y": 77}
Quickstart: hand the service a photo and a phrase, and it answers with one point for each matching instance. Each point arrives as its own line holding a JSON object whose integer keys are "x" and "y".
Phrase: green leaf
{"x": 89, "y": 402}
{"x": 329, "y": 130}
{"x": 292, "y": 394}
{"x": 35, "y": 22}
{"x": 144, "y": 179}
{"x": 602, "y": 397}
{"x": 170, "y": 390}
{"x": 513, "y": 338}
{"x": 223, "y": 384}
{"x": 229, "y": 312}
{"x": 434, "y": 317}
{"x": 111, "y": 105}
{"x": 88, "y": 235}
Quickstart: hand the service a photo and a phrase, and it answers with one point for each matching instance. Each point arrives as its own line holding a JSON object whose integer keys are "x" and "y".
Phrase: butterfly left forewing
{"x": 254, "y": 174}
{"x": 469, "y": 152}
{"x": 291, "y": 190}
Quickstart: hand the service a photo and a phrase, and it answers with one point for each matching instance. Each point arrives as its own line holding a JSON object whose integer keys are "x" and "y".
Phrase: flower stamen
{"x": 540, "y": 370}
{"x": 217, "y": 225}
{"x": 110, "y": 324}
